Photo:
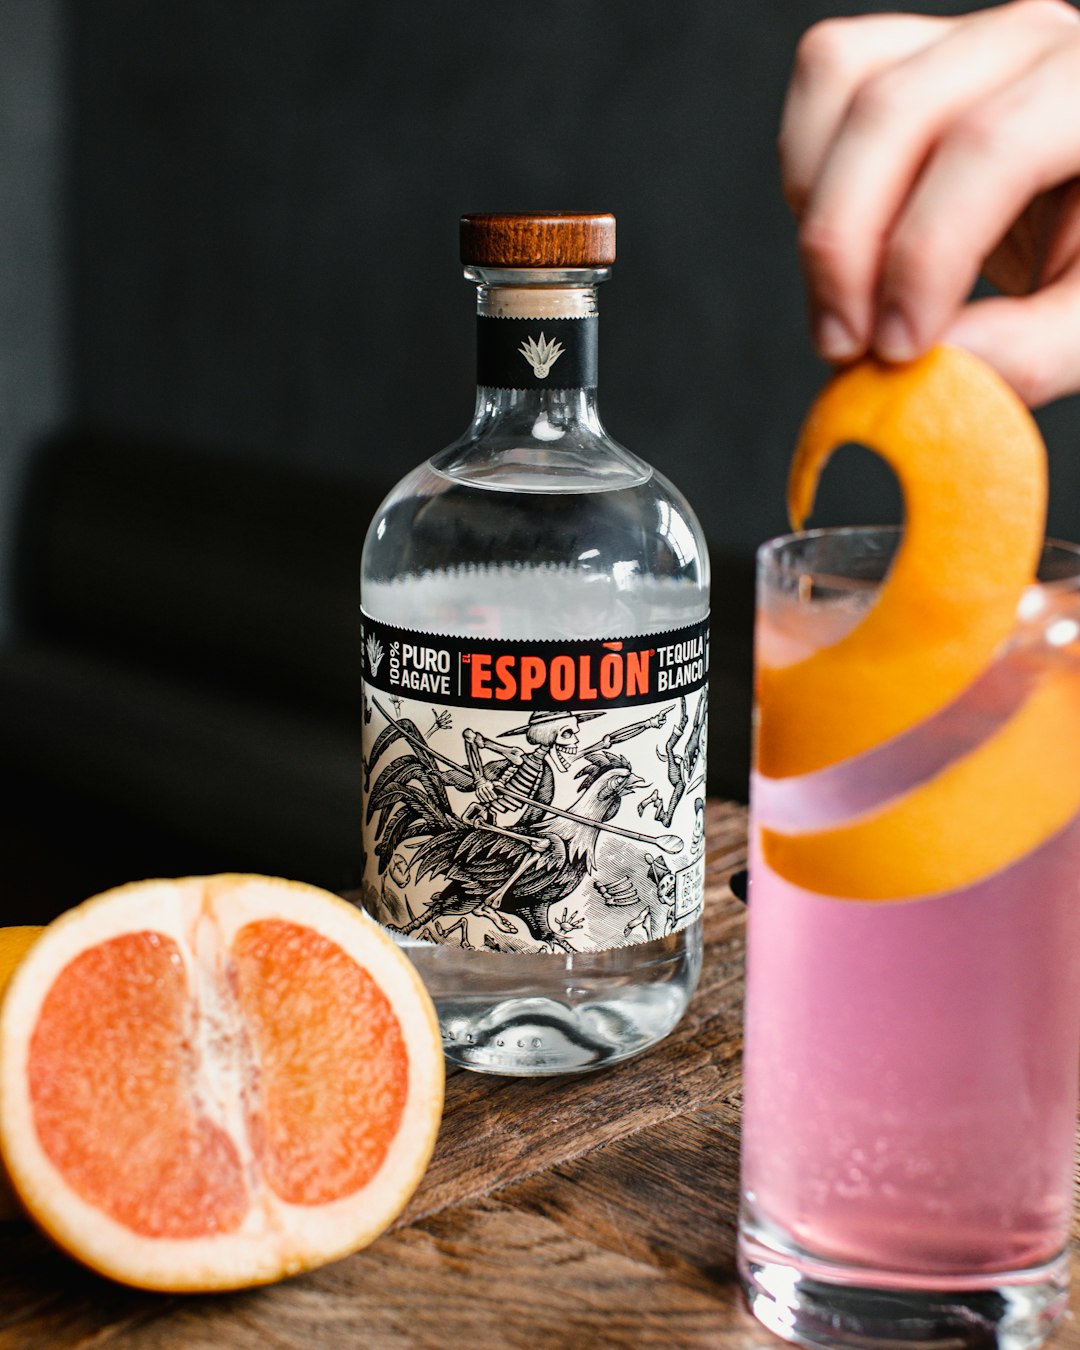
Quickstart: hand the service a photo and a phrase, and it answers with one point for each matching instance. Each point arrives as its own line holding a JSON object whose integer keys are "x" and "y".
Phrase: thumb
{"x": 1033, "y": 341}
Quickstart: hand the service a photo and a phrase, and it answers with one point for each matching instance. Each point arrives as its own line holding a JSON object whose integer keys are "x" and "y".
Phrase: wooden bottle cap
{"x": 541, "y": 239}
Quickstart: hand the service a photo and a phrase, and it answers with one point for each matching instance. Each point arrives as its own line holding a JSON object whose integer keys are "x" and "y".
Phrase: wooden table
{"x": 563, "y": 1213}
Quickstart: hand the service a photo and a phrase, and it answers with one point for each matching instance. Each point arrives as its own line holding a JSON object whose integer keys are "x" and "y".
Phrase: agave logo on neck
{"x": 374, "y": 653}
{"x": 541, "y": 355}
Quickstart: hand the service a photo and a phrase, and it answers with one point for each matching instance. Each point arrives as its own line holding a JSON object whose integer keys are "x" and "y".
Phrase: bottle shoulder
{"x": 504, "y": 472}
{"x": 430, "y": 505}
{"x": 462, "y": 553}
{"x": 530, "y": 453}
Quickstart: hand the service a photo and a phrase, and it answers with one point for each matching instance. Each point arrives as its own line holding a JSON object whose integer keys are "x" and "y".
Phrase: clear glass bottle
{"x": 536, "y": 532}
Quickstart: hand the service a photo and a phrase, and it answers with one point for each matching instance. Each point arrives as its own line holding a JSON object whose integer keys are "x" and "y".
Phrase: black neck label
{"x": 536, "y": 353}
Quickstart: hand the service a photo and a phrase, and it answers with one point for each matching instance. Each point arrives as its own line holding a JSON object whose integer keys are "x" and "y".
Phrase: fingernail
{"x": 893, "y": 338}
{"x": 834, "y": 339}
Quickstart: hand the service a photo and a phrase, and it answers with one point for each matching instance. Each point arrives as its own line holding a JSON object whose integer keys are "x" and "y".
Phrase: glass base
{"x": 808, "y": 1301}
{"x": 530, "y": 1037}
{"x": 533, "y": 1015}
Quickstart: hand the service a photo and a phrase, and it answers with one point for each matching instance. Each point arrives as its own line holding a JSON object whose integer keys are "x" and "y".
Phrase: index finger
{"x": 1019, "y": 142}
{"x": 833, "y": 59}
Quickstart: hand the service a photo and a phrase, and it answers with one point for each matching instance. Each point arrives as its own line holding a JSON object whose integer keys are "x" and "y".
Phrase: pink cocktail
{"x": 910, "y": 1066}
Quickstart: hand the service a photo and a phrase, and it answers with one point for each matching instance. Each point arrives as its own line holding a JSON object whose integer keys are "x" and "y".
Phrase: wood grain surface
{"x": 575, "y": 1212}
{"x": 554, "y": 239}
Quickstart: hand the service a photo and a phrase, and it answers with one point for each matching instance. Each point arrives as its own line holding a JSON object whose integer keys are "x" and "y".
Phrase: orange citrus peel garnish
{"x": 972, "y": 468}
{"x": 983, "y": 812}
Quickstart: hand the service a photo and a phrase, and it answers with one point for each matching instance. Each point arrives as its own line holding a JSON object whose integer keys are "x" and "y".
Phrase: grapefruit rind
{"x": 984, "y": 812}
{"x": 275, "y": 1239}
{"x": 972, "y": 469}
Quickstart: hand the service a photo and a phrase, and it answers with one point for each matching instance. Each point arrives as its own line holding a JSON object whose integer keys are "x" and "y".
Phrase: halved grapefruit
{"x": 216, "y": 1082}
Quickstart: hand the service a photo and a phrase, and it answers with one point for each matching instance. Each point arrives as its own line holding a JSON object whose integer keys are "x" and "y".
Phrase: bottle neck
{"x": 544, "y": 415}
{"x": 537, "y": 351}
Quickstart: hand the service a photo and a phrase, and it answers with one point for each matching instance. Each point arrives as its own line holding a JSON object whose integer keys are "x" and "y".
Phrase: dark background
{"x": 231, "y": 316}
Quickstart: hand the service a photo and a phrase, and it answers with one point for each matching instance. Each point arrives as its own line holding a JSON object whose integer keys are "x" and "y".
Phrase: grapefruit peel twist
{"x": 972, "y": 470}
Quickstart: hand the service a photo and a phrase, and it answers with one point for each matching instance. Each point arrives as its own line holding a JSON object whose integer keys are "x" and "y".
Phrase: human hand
{"x": 917, "y": 152}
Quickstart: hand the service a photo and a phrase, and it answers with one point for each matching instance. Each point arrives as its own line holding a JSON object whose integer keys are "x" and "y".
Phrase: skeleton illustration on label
{"x": 563, "y": 830}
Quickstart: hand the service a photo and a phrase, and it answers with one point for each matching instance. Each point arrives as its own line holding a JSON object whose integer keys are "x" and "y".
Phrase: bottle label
{"x": 532, "y": 796}
{"x": 514, "y": 353}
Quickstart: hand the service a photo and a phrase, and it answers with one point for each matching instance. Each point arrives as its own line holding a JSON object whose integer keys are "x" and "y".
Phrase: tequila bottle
{"x": 535, "y": 603}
